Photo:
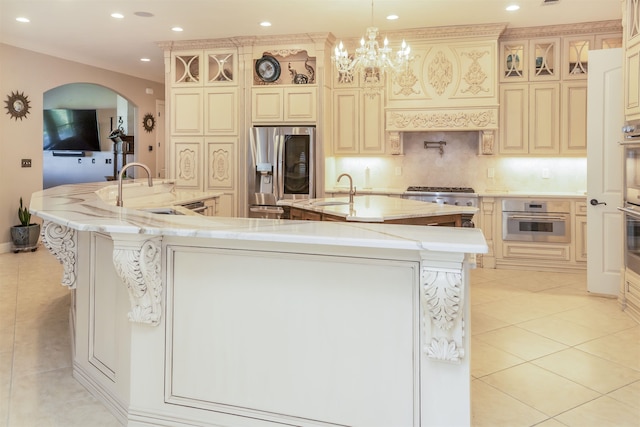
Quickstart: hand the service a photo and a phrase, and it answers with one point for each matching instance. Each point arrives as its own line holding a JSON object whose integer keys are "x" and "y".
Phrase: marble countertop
{"x": 82, "y": 207}
{"x": 374, "y": 208}
{"x": 481, "y": 193}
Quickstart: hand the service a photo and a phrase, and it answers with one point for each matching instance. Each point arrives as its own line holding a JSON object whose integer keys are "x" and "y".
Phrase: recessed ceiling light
{"x": 117, "y": 15}
{"x": 177, "y": 29}
{"x": 22, "y": 19}
{"x": 512, "y": 7}
{"x": 392, "y": 17}
{"x": 145, "y": 60}
{"x": 265, "y": 24}
{"x": 143, "y": 14}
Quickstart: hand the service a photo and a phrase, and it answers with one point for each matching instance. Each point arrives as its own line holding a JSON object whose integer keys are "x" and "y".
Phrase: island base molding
{"x": 256, "y": 333}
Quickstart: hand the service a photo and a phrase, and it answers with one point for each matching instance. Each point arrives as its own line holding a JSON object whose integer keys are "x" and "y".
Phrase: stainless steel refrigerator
{"x": 281, "y": 167}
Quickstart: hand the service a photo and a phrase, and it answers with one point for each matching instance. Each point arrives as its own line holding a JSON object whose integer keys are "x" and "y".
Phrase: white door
{"x": 604, "y": 171}
{"x": 161, "y": 166}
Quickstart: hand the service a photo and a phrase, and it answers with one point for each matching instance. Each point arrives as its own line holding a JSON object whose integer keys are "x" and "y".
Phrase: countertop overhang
{"x": 79, "y": 207}
{"x": 373, "y": 208}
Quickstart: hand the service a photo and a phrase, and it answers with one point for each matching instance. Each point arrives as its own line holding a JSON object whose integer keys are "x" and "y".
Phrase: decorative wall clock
{"x": 149, "y": 122}
{"x": 268, "y": 69}
{"x": 17, "y": 105}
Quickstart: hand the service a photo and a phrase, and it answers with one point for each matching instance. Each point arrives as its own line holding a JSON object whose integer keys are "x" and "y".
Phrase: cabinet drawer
{"x": 536, "y": 251}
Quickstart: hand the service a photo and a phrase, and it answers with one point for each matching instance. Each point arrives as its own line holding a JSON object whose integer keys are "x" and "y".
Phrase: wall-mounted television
{"x": 71, "y": 129}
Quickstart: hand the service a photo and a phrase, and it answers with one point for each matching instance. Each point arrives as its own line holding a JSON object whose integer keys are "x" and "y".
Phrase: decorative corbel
{"x": 137, "y": 262}
{"x": 442, "y": 299}
{"x": 61, "y": 241}
{"x": 487, "y": 141}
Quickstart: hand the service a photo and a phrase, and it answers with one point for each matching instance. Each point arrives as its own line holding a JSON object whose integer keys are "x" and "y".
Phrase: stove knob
{"x": 469, "y": 203}
{"x": 455, "y": 203}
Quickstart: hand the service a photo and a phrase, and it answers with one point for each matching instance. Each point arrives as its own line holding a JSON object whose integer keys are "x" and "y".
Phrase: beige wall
{"x": 33, "y": 74}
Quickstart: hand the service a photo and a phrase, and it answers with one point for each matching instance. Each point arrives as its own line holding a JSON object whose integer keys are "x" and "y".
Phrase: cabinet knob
{"x": 595, "y": 202}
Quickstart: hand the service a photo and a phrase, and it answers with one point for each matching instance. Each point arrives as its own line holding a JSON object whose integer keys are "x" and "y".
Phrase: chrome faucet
{"x": 352, "y": 189}
{"x": 127, "y": 166}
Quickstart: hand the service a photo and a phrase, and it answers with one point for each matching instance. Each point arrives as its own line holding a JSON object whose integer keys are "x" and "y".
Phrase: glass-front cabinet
{"x": 530, "y": 60}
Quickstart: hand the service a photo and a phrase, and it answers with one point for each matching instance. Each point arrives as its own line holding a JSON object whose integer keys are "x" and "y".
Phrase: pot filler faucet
{"x": 127, "y": 166}
{"x": 352, "y": 189}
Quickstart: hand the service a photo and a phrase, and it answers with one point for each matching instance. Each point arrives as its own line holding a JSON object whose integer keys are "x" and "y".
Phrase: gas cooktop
{"x": 441, "y": 189}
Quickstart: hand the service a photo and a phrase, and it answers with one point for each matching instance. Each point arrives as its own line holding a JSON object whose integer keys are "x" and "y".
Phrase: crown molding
{"x": 597, "y": 27}
{"x": 234, "y": 42}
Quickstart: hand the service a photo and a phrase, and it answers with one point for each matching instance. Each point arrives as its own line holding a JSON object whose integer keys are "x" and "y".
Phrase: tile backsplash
{"x": 460, "y": 165}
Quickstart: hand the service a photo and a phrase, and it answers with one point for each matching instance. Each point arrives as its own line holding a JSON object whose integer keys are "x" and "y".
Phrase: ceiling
{"x": 83, "y": 30}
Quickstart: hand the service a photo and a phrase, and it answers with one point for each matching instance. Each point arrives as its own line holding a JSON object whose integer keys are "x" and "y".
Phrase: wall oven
{"x": 536, "y": 221}
{"x": 631, "y": 209}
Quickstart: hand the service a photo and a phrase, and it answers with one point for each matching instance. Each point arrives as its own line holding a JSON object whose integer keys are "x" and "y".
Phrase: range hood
{"x": 451, "y": 84}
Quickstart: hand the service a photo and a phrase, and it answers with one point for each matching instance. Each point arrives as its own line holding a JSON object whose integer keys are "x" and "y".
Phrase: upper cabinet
{"x": 204, "y": 68}
{"x": 284, "y": 87}
{"x": 632, "y": 60}
{"x": 530, "y": 60}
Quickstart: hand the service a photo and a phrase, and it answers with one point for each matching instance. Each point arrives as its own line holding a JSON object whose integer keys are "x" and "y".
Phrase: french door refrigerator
{"x": 281, "y": 167}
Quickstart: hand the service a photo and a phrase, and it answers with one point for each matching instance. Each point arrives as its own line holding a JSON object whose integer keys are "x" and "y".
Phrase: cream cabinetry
{"x": 580, "y": 231}
{"x": 537, "y": 255}
{"x": 204, "y": 123}
{"x": 630, "y": 294}
{"x": 632, "y": 60}
{"x": 550, "y": 118}
{"x": 358, "y": 122}
{"x": 529, "y": 118}
{"x": 530, "y": 60}
{"x": 275, "y": 104}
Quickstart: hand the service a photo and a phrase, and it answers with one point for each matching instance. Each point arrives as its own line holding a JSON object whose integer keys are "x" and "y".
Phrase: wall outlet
{"x": 545, "y": 173}
{"x": 26, "y": 163}
{"x": 398, "y": 171}
{"x": 491, "y": 173}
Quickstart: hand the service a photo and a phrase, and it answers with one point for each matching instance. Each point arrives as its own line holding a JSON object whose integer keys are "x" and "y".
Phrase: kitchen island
{"x": 193, "y": 320}
{"x": 372, "y": 208}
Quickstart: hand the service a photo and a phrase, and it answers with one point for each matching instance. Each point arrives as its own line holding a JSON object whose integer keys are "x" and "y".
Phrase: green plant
{"x": 23, "y": 214}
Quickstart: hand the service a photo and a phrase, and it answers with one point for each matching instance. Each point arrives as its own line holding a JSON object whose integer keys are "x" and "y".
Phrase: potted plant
{"x": 25, "y": 236}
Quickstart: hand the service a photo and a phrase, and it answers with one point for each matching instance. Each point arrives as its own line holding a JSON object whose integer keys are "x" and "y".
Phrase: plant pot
{"x": 25, "y": 236}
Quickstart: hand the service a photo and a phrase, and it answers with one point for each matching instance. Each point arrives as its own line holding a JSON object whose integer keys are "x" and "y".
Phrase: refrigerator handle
{"x": 279, "y": 181}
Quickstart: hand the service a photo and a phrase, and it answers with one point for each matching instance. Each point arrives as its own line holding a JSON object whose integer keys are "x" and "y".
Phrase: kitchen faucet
{"x": 127, "y": 166}
{"x": 352, "y": 189}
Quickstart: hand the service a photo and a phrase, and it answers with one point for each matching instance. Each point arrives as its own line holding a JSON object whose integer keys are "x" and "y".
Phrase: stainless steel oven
{"x": 631, "y": 209}
{"x": 536, "y": 221}
{"x": 632, "y": 236}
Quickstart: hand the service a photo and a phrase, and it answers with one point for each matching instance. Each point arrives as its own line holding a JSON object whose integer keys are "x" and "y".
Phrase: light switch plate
{"x": 26, "y": 163}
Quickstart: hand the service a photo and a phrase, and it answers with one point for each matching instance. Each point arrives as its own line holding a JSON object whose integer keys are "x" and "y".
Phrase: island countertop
{"x": 88, "y": 207}
{"x": 371, "y": 208}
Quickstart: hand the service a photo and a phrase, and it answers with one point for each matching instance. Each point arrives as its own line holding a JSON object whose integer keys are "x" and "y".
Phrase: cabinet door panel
{"x": 544, "y": 113}
{"x": 514, "y": 119}
{"x": 300, "y": 104}
{"x": 574, "y": 119}
{"x": 221, "y": 106}
{"x": 346, "y": 119}
{"x": 186, "y": 112}
{"x": 221, "y": 161}
{"x": 267, "y": 105}
{"x": 632, "y": 86}
{"x": 187, "y": 162}
{"x": 373, "y": 117}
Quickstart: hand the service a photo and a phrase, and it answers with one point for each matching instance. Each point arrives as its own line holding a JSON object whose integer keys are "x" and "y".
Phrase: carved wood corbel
{"x": 442, "y": 299}
{"x": 61, "y": 241}
{"x": 138, "y": 263}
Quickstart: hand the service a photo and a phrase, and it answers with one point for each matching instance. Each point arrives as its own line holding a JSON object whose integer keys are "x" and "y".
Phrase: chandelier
{"x": 370, "y": 58}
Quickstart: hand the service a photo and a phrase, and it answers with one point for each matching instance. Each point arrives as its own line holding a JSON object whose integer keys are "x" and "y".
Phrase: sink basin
{"x": 163, "y": 211}
{"x": 329, "y": 203}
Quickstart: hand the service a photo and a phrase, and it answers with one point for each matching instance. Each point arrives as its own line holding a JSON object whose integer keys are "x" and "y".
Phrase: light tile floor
{"x": 544, "y": 352}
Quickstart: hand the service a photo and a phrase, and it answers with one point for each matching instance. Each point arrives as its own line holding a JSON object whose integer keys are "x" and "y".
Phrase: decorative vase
{"x": 25, "y": 237}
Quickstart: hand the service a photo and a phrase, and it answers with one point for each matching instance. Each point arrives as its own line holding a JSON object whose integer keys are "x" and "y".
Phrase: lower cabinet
{"x": 630, "y": 294}
{"x": 544, "y": 256}
{"x": 440, "y": 220}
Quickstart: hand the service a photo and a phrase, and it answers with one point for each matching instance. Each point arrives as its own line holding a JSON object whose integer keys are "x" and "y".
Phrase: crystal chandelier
{"x": 370, "y": 58}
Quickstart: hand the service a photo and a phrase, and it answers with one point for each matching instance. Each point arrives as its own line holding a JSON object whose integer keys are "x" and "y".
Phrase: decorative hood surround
{"x": 451, "y": 83}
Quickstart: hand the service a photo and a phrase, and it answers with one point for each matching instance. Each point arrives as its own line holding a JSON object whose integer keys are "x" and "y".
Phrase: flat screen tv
{"x": 67, "y": 129}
